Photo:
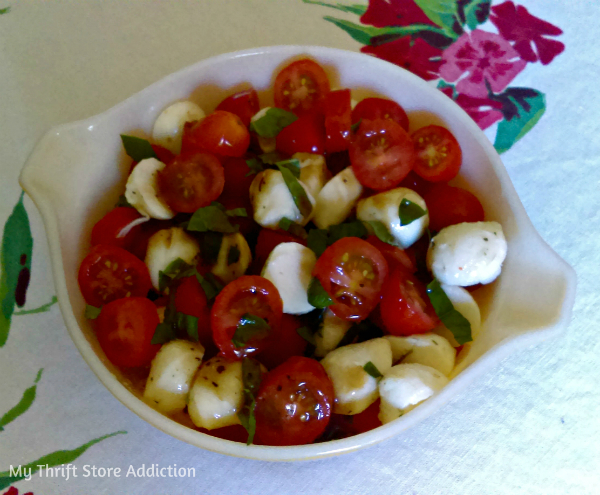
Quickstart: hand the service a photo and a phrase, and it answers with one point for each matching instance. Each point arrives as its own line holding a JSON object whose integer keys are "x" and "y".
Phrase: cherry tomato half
{"x": 305, "y": 135}
{"x": 300, "y": 86}
{"x": 191, "y": 181}
{"x": 221, "y": 133}
{"x": 382, "y": 154}
{"x": 380, "y": 108}
{"x": 438, "y": 153}
{"x": 337, "y": 120}
{"x": 125, "y": 329}
{"x": 449, "y": 205}
{"x": 247, "y": 295}
{"x": 243, "y": 104}
{"x": 293, "y": 403}
{"x": 352, "y": 272}
{"x": 190, "y": 299}
{"x": 109, "y": 229}
{"x": 394, "y": 256}
{"x": 287, "y": 344}
{"x": 405, "y": 307}
{"x": 108, "y": 273}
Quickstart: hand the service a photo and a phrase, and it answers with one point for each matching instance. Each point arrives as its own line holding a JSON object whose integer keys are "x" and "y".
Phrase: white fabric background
{"x": 530, "y": 426}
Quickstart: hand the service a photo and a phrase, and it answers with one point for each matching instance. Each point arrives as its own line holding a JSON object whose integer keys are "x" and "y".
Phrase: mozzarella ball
{"x": 385, "y": 207}
{"x": 272, "y": 201}
{"x": 166, "y": 246}
{"x": 168, "y": 128}
{"x": 233, "y": 259}
{"x": 171, "y": 375}
{"x": 428, "y": 349}
{"x": 141, "y": 190}
{"x": 267, "y": 144}
{"x": 463, "y": 302}
{"x": 313, "y": 171}
{"x": 337, "y": 199}
{"x": 289, "y": 267}
{"x": 355, "y": 389}
{"x": 330, "y": 333}
{"x": 467, "y": 253}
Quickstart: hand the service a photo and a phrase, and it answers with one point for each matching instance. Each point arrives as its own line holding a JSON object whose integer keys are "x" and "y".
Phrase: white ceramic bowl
{"x": 73, "y": 176}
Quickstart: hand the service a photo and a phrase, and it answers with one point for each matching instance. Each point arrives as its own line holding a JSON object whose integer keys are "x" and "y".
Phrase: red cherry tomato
{"x": 449, "y": 205}
{"x": 249, "y": 294}
{"x": 147, "y": 230}
{"x": 438, "y": 153}
{"x": 348, "y": 426}
{"x": 267, "y": 241}
{"x": 337, "y": 120}
{"x": 305, "y": 135}
{"x": 243, "y": 104}
{"x": 287, "y": 344}
{"x": 352, "y": 272}
{"x": 190, "y": 299}
{"x": 236, "y": 193}
{"x": 125, "y": 329}
{"x": 382, "y": 154}
{"x": 416, "y": 183}
{"x": 293, "y": 403}
{"x": 394, "y": 256}
{"x": 109, "y": 229}
{"x": 221, "y": 133}
{"x": 108, "y": 273}
{"x": 233, "y": 433}
{"x": 405, "y": 307}
{"x": 300, "y": 86}
{"x": 191, "y": 181}
{"x": 162, "y": 154}
{"x": 380, "y": 108}
{"x": 336, "y": 162}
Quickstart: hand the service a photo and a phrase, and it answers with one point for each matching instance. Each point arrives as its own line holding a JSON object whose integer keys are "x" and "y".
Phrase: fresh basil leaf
{"x": 251, "y": 378}
{"x": 285, "y": 224}
{"x": 164, "y": 333}
{"x": 237, "y": 212}
{"x": 187, "y": 323}
{"x": 317, "y": 295}
{"x": 122, "y": 202}
{"x": 233, "y": 255}
{"x": 354, "y": 127}
{"x": 293, "y": 165}
{"x": 272, "y": 122}
{"x": 372, "y": 370}
{"x": 137, "y": 148}
{"x": 176, "y": 269}
{"x": 92, "y": 312}
{"x": 248, "y": 327}
{"x": 210, "y": 285}
{"x": 248, "y": 420}
{"x": 409, "y": 212}
{"x": 210, "y": 245}
{"x": 307, "y": 335}
{"x": 271, "y": 158}
{"x": 317, "y": 241}
{"x": 349, "y": 229}
{"x": 211, "y": 218}
{"x": 450, "y": 317}
{"x": 255, "y": 166}
{"x": 297, "y": 191}
{"x": 293, "y": 228}
{"x": 381, "y": 231}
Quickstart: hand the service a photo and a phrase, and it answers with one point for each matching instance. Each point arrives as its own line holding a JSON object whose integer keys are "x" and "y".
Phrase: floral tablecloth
{"x": 524, "y": 71}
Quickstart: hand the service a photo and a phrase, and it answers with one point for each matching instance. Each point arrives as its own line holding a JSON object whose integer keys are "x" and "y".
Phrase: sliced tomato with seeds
{"x": 449, "y": 205}
{"x": 300, "y": 86}
{"x": 220, "y": 133}
{"x": 352, "y": 272}
{"x": 109, "y": 272}
{"x": 247, "y": 295}
{"x": 191, "y": 181}
{"x": 382, "y": 154}
{"x": 112, "y": 228}
{"x": 293, "y": 403}
{"x": 244, "y": 104}
{"x": 305, "y": 135}
{"x": 338, "y": 120}
{"x": 380, "y": 108}
{"x": 438, "y": 153}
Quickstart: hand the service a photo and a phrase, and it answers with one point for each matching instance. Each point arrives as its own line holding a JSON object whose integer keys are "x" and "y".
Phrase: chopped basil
{"x": 137, "y": 148}
{"x": 92, "y": 312}
{"x": 292, "y": 227}
{"x": 176, "y": 269}
{"x": 210, "y": 245}
{"x": 307, "y": 334}
{"x": 237, "y": 212}
{"x": 349, "y": 229}
{"x": 233, "y": 255}
{"x": 248, "y": 327}
{"x": 317, "y": 295}
{"x": 164, "y": 333}
{"x": 285, "y": 224}
{"x": 255, "y": 165}
{"x": 188, "y": 323}
{"x": 296, "y": 190}
{"x": 372, "y": 370}
{"x": 122, "y": 201}
{"x": 354, "y": 127}
{"x": 211, "y": 218}
{"x": 271, "y": 158}
{"x": 381, "y": 231}
{"x": 450, "y": 317}
{"x": 251, "y": 378}
{"x": 317, "y": 241}
{"x": 272, "y": 122}
{"x": 293, "y": 165}
{"x": 210, "y": 285}
{"x": 409, "y": 212}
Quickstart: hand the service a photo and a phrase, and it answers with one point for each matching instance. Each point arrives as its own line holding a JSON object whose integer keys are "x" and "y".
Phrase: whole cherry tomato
{"x": 287, "y": 343}
{"x": 244, "y": 104}
{"x": 305, "y": 135}
{"x": 221, "y": 133}
{"x": 190, "y": 299}
{"x": 300, "y": 86}
{"x": 449, "y": 205}
{"x": 338, "y": 120}
{"x": 111, "y": 228}
{"x": 438, "y": 153}
{"x": 394, "y": 256}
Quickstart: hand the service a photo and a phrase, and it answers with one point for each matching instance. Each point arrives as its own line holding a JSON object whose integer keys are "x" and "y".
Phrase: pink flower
{"x": 480, "y": 59}
{"x": 483, "y": 111}
{"x": 382, "y": 13}
{"x": 516, "y": 24}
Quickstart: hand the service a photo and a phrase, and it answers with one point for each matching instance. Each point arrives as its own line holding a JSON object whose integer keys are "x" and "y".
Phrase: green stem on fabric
{"x": 23, "y": 405}
{"x": 352, "y": 9}
{"x": 40, "y": 309}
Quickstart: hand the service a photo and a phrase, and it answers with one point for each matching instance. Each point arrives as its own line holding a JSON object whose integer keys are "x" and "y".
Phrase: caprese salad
{"x": 294, "y": 273}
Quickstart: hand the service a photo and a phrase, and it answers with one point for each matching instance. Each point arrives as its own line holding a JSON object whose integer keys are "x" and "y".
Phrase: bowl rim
{"x": 302, "y": 452}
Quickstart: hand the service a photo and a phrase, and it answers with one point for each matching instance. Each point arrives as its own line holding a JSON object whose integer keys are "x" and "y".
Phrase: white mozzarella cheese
{"x": 166, "y": 246}
{"x": 226, "y": 268}
{"x": 385, "y": 207}
{"x": 267, "y": 144}
{"x": 141, "y": 190}
{"x": 313, "y": 171}
{"x": 463, "y": 302}
{"x": 428, "y": 349}
{"x": 272, "y": 201}
{"x": 467, "y": 253}
{"x": 171, "y": 375}
{"x": 355, "y": 389}
{"x": 168, "y": 127}
{"x": 330, "y": 333}
{"x": 337, "y": 199}
{"x": 289, "y": 267}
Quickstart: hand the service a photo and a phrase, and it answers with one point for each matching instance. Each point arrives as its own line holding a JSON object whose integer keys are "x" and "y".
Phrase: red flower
{"x": 516, "y": 24}
{"x": 420, "y": 58}
{"x": 382, "y": 13}
{"x": 13, "y": 491}
{"x": 482, "y": 110}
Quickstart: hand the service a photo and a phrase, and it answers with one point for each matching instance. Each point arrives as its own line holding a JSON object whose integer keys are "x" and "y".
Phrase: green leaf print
{"x": 352, "y": 9}
{"x": 5, "y": 10}
{"x": 15, "y": 262}
{"x": 53, "y": 459}
{"x": 474, "y": 12}
{"x": 444, "y": 13}
{"x": 23, "y": 405}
